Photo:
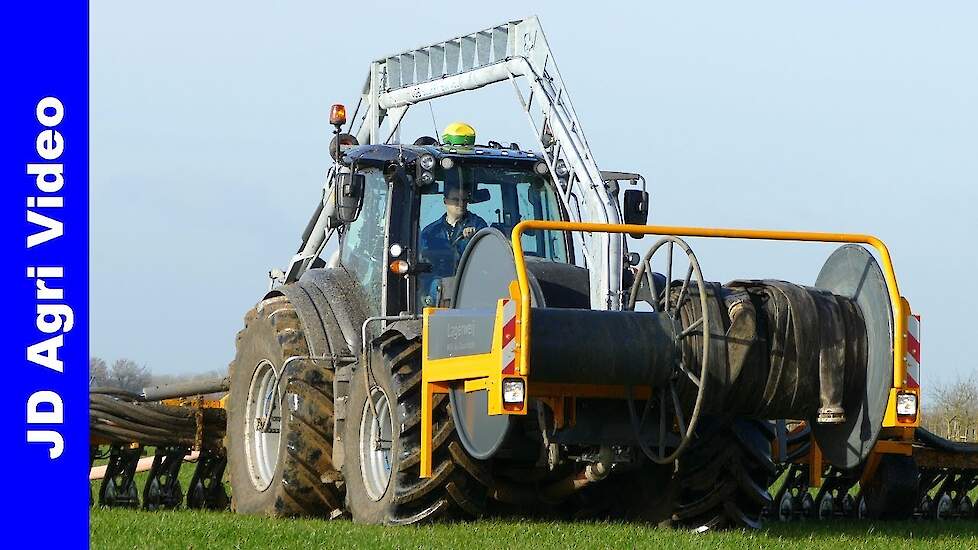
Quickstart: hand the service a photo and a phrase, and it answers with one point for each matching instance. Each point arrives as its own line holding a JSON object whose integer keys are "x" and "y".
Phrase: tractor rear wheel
{"x": 280, "y": 424}
{"x": 724, "y": 476}
{"x": 382, "y": 445}
{"x": 643, "y": 492}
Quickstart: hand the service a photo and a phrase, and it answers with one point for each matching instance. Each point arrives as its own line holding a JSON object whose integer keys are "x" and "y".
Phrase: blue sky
{"x": 209, "y": 140}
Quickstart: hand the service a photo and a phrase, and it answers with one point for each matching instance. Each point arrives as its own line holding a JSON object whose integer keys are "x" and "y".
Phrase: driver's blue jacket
{"x": 441, "y": 245}
{"x": 441, "y": 236}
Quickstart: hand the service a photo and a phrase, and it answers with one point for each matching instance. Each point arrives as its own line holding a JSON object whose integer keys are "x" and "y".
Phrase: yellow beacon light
{"x": 458, "y": 133}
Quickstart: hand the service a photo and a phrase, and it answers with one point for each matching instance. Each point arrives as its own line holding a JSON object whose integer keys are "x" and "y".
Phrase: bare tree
{"x": 129, "y": 375}
{"x": 98, "y": 372}
{"x": 951, "y": 409}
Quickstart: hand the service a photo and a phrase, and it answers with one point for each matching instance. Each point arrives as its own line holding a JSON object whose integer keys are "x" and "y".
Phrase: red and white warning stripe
{"x": 509, "y": 337}
{"x": 913, "y": 351}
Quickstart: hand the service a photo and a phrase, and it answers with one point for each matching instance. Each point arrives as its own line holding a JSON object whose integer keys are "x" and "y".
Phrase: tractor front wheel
{"x": 382, "y": 445}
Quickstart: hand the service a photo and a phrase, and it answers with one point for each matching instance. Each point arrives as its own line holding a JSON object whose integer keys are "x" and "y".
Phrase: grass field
{"x": 198, "y": 530}
{"x": 125, "y": 529}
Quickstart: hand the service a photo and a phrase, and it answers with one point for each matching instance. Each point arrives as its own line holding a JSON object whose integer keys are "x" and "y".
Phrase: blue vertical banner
{"x": 45, "y": 178}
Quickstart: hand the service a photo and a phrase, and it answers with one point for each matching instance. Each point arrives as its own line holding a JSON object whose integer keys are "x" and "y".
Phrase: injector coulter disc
{"x": 852, "y": 271}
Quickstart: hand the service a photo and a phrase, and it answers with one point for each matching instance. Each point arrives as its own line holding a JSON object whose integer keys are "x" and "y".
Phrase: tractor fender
{"x": 334, "y": 290}
{"x": 409, "y": 329}
{"x": 331, "y": 306}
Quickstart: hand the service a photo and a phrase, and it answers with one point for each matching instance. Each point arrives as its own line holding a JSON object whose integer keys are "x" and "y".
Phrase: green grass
{"x": 198, "y": 530}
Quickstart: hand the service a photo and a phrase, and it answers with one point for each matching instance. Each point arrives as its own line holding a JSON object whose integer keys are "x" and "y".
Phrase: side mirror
{"x": 347, "y": 198}
{"x": 636, "y": 207}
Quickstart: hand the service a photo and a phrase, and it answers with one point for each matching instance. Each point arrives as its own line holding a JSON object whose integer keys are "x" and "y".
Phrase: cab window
{"x": 363, "y": 241}
{"x": 491, "y": 196}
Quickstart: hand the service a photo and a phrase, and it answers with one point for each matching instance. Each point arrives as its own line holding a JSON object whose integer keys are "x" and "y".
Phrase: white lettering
{"x": 50, "y": 144}
{"x": 48, "y": 436}
{"x": 42, "y": 171}
{"x": 54, "y": 229}
{"x": 52, "y": 105}
{"x": 46, "y": 353}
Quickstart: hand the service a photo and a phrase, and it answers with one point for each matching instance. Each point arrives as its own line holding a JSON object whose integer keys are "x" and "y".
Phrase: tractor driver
{"x": 455, "y": 228}
{"x": 443, "y": 241}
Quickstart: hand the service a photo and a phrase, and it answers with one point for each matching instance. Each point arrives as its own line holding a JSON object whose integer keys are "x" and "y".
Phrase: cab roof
{"x": 384, "y": 153}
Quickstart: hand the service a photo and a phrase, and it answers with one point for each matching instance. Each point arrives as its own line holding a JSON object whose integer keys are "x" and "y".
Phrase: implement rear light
{"x": 906, "y": 407}
{"x": 513, "y": 391}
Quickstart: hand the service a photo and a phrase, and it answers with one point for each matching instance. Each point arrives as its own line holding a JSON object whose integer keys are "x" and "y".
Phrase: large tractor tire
{"x": 643, "y": 492}
{"x": 286, "y": 470}
{"x": 382, "y": 445}
{"x": 724, "y": 475}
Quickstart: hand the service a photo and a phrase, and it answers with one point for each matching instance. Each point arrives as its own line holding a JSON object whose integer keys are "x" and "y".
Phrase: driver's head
{"x": 456, "y": 203}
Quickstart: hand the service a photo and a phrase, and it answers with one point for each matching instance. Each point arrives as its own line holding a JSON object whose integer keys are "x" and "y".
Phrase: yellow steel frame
{"x": 897, "y": 303}
{"x": 194, "y": 402}
{"x": 899, "y": 348}
{"x": 483, "y": 371}
{"x": 477, "y": 372}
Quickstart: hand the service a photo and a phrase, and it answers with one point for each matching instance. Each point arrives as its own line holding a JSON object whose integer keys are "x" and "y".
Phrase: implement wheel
{"x": 382, "y": 445}
{"x": 891, "y": 492}
{"x": 280, "y": 420}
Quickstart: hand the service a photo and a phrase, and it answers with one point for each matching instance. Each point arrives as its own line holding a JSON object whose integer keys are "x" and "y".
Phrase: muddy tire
{"x": 724, "y": 476}
{"x": 382, "y": 446}
{"x": 288, "y": 473}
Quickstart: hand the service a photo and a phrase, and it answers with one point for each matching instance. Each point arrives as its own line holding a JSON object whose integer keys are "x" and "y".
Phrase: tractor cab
{"x": 421, "y": 205}
{"x": 475, "y": 190}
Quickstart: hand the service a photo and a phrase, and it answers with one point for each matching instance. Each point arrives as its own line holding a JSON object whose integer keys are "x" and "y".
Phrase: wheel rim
{"x": 966, "y": 508}
{"x": 376, "y": 440}
{"x": 109, "y": 491}
{"x": 848, "y": 503}
{"x": 264, "y": 425}
{"x": 807, "y": 506}
{"x": 785, "y": 508}
{"x": 152, "y": 496}
{"x": 926, "y": 504}
{"x": 826, "y": 507}
{"x": 944, "y": 506}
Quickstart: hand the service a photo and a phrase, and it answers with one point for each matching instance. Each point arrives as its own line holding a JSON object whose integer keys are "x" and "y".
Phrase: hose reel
{"x": 692, "y": 335}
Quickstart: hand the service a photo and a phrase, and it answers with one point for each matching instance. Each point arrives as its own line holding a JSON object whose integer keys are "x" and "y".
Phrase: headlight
{"x": 396, "y": 250}
{"x": 541, "y": 168}
{"x": 427, "y": 162}
{"x": 906, "y": 404}
{"x": 447, "y": 163}
{"x": 513, "y": 390}
{"x": 426, "y": 178}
